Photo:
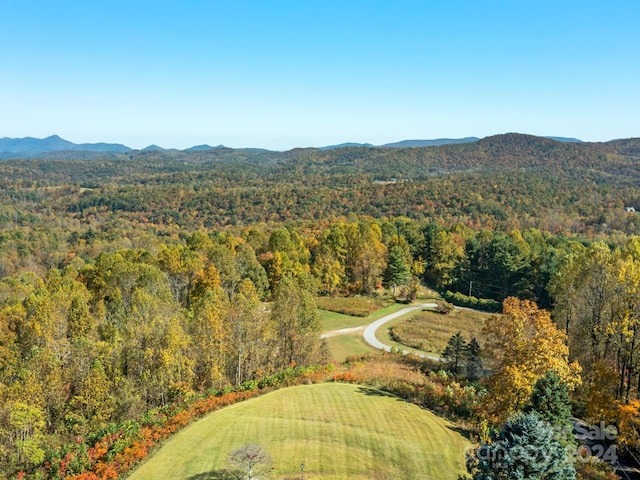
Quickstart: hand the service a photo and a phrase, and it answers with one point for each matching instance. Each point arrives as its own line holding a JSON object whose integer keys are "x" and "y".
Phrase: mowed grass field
{"x": 331, "y": 320}
{"x": 339, "y": 431}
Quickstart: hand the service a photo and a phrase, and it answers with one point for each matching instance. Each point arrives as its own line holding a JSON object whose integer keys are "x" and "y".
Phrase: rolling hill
{"x": 513, "y": 179}
{"x": 339, "y": 432}
{"x": 430, "y": 143}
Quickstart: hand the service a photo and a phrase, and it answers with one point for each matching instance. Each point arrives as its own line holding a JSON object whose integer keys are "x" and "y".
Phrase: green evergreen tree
{"x": 474, "y": 367}
{"x": 455, "y": 352}
{"x": 525, "y": 449}
{"x": 397, "y": 271}
{"x": 550, "y": 399}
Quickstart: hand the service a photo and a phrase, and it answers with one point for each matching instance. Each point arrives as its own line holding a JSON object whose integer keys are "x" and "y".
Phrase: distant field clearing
{"x": 338, "y": 431}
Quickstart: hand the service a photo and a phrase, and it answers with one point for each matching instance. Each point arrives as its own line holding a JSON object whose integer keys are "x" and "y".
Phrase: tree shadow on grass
{"x": 374, "y": 392}
{"x": 224, "y": 474}
{"x": 465, "y": 433}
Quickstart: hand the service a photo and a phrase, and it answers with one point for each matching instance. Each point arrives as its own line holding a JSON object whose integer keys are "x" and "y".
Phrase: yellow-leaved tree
{"x": 525, "y": 344}
{"x": 629, "y": 425}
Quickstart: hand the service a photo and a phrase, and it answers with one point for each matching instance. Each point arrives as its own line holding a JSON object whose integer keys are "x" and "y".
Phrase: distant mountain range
{"x": 430, "y": 143}
{"x": 34, "y": 146}
{"x": 56, "y": 147}
{"x": 407, "y": 143}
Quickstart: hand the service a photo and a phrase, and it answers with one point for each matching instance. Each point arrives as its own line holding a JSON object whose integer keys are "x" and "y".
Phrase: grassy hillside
{"x": 338, "y": 431}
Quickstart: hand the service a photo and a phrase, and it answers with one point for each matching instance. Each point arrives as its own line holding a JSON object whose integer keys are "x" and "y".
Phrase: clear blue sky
{"x": 280, "y": 74}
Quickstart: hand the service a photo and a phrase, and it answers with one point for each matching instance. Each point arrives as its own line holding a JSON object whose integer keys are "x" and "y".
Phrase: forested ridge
{"x": 508, "y": 181}
{"x": 135, "y": 280}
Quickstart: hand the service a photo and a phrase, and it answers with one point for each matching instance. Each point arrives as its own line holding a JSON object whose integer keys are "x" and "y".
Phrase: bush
{"x": 463, "y": 300}
{"x": 444, "y": 307}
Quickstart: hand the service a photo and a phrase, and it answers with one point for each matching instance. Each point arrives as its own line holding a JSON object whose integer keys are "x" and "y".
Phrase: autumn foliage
{"x": 525, "y": 344}
{"x": 417, "y": 381}
{"x": 121, "y": 447}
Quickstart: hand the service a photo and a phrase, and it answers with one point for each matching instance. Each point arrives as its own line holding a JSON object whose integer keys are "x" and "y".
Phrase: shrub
{"x": 526, "y": 447}
{"x": 463, "y": 300}
{"x": 444, "y": 307}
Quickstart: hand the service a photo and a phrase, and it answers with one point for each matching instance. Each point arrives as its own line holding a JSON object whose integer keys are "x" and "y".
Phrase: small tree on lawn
{"x": 253, "y": 460}
{"x": 525, "y": 449}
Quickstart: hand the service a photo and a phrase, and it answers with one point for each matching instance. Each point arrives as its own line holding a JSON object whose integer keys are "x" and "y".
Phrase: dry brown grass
{"x": 386, "y": 369}
{"x": 355, "y": 306}
{"x": 430, "y": 331}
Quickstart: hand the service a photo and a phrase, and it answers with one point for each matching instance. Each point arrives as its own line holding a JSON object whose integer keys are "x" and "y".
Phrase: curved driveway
{"x": 369, "y": 333}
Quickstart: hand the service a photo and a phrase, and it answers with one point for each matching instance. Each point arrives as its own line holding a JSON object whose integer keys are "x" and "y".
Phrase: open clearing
{"x": 429, "y": 331}
{"x": 334, "y": 320}
{"x": 338, "y": 431}
{"x": 342, "y": 346}
{"x": 350, "y": 343}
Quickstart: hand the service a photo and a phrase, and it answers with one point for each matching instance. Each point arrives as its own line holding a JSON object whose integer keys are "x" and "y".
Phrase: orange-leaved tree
{"x": 525, "y": 344}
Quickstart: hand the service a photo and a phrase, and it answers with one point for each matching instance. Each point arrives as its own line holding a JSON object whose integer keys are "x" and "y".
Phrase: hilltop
{"x": 54, "y": 147}
{"x": 32, "y": 147}
{"x": 338, "y": 431}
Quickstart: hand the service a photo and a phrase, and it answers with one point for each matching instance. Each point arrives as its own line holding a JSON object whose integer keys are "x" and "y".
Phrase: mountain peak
{"x": 197, "y": 148}
{"x": 152, "y": 147}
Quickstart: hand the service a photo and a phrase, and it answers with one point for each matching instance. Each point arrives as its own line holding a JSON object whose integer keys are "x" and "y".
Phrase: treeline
{"x": 347, "y": 256}
{"x": 338, "y": 257}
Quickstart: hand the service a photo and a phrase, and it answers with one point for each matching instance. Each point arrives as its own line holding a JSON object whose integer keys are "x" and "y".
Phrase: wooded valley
{"x": 134, "y": 281}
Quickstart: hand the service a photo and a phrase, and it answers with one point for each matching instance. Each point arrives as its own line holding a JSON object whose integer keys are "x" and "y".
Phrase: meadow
{"x": 429, "y": 331}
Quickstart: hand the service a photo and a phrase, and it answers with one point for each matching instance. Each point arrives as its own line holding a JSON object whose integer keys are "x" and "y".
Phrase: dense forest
{"x": 131, "y": 280}
{"x": 507, "y": 181}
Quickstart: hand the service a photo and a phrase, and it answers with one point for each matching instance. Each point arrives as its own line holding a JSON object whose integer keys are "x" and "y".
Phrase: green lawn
{"x": 338, "y": 431}
{"x": 334, "y": 321}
